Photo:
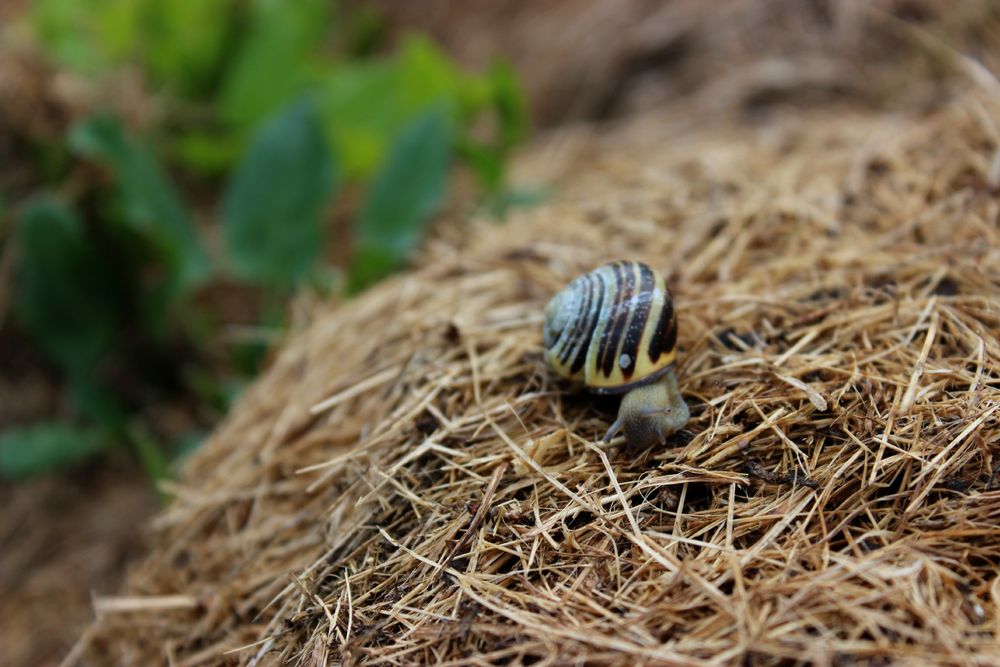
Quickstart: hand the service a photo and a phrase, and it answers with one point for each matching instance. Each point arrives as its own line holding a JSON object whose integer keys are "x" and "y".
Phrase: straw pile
{"x": 408, "y": 483}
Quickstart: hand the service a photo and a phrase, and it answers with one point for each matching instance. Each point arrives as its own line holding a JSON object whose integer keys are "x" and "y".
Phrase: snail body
{"x": 615, "y": 330}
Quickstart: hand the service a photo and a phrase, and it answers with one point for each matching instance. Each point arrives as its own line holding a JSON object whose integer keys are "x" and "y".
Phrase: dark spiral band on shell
{"x": 588, "y": 331}
{"x": 640, "y": 317}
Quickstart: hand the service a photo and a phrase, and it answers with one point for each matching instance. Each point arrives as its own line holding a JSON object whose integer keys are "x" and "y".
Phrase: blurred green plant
{"x": 402, "y": 198}
{"x": 150, "y": 206}
{"x": 278, "y": 106}
{"x": 273, "y": 213}
{"x": 43, "y": 447}
{"x": 67, "y": 297}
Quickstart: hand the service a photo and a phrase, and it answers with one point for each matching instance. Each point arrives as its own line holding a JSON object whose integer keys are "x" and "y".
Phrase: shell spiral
{"x": 613, "y": 328}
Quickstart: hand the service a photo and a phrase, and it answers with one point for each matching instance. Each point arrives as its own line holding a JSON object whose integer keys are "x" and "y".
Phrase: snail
{"x": 615, "y": 329}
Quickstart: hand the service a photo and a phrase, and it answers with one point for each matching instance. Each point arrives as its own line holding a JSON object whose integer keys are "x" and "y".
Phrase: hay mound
{"x": 409, "y": 483}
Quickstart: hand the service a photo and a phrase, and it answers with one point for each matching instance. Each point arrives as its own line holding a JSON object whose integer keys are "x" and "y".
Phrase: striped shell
{"x": 613, "y": 328}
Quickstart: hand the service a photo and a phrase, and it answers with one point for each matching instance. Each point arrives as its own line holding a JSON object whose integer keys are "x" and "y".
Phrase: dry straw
{"x": 408, "y": 483}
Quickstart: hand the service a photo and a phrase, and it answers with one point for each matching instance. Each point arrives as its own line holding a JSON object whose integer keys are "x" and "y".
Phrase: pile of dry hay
{"x": 409, "y": 483}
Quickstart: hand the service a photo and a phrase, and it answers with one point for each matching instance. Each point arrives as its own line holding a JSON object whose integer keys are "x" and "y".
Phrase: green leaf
{"x": 45, "y": 447}
{"x": 364, "y": 105}
{"x": 274, "y": 61}
{"x": 486, "y": 162}
{"x": 113, "y": 26}
{"x": 66, "y": 295}
{"x": 488, "y": 157}
{"x": 182, "y": 43}
{"x": 509, "y": 104}
{"x": 66, "y": 29}
{"x": 405, "y": 194}
{"x": 360, "y": 109}
{"x": 209, "y": 152}
{"x": 152, "y": 206}
{"x": 179, "y": 44}
{"x": 95, "y": 403}
{"x": 367, "y": 29}
{"x": 426, "y": 74}
{"x": 273, "y": 208}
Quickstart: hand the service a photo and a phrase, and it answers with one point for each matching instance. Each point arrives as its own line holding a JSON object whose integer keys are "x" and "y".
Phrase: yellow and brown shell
{"x": 613, "y": 328}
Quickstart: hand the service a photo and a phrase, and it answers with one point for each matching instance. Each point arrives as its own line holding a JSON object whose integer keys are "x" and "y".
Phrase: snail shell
{"x": 613, "y": 328}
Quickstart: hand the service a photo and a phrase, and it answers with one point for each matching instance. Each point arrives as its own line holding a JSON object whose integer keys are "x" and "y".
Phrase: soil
{"x": 62, "y": 539}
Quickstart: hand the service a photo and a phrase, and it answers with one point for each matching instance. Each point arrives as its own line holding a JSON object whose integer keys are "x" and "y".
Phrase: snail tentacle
{"x": 613, "y": 430}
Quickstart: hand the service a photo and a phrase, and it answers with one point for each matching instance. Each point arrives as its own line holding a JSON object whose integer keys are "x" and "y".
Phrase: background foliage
{"x": 273, "y": 120}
